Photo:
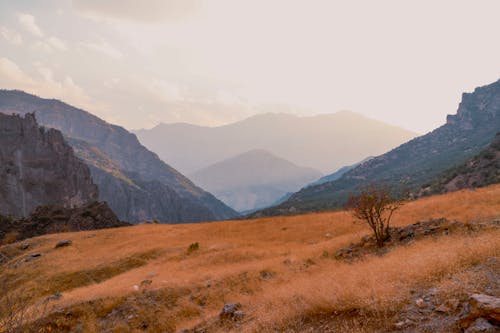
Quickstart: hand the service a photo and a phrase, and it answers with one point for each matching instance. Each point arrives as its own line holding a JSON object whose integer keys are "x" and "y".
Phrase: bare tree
{"x": 375, "y": 205}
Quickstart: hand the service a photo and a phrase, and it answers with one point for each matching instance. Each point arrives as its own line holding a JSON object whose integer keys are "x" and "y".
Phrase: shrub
{"x": 193, "y": 247}
{"x": 375, "y": 206}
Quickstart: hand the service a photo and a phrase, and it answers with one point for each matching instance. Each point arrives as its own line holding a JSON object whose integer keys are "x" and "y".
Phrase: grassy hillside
{"x": 282, "y": 270}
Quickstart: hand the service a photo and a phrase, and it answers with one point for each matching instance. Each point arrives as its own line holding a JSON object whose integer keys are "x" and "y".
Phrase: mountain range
{"x": 323, "y": 142}
{"x": 415, "y": 163}
{"x": 133, "y": 180}
{"x": 254, "y": 179}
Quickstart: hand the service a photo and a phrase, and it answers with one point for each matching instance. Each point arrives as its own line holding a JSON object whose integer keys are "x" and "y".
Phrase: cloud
{"x": 10, "y": 72}
{"x": 27, "y": 21}
{"x": 165, "y": 91}
{"x": 10, "y": 36}
{"x": 45, "y": 84}
{"x": 103, "y": 47}
{"x": 57, "y": 44}
{"x": 142, "y": 11}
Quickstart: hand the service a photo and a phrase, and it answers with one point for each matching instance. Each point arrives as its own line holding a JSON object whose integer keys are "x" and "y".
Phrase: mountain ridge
{"x": 126, "y": 151}
{"x": 413, "y": 163}
{"x": 319, "y": 140}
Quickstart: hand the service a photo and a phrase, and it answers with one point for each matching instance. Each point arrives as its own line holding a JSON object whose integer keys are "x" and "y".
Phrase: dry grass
{"x": 98, "y": 273}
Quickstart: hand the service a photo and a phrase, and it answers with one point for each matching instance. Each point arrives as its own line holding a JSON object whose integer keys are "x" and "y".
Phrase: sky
{"x": 212, "y": 62}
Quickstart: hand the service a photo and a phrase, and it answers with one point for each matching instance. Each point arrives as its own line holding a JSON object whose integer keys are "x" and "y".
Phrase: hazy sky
{"x": 138, "y": 63}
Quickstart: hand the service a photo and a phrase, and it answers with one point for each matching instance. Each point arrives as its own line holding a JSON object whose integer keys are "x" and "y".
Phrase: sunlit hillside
{"x": 282, "y": 270}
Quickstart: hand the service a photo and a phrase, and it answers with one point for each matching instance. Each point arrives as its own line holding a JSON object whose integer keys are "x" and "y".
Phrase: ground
{"x": 283, "y": 271}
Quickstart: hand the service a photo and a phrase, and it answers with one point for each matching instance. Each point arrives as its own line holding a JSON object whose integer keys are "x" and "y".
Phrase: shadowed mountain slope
{"x": 123, "y": 156}
{"x": 416, "y": 162}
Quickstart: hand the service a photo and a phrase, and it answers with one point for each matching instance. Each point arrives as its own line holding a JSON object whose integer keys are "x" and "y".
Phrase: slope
{"x": 481, "y": 170}
{"x": 254, "y": 179}
{"x": 128, "y": 156}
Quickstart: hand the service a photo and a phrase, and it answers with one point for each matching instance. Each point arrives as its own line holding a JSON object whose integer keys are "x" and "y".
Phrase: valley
{"x": 283, "y": 271}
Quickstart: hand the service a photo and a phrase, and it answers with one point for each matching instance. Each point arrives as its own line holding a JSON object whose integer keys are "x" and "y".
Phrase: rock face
{"x": 122, "y": 168}
{"x": 37, "y": 167}
{"x": 415, "y": 163}
{"x": 53, "y": 219}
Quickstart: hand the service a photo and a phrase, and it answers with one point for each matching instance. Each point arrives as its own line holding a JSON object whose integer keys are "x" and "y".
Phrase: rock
{"x": 63, "y": 243}
{"x": 443, "y": 308}
{"x": 420, "y": 303}
{"x": 145, "y": 283}
{"x": 403, "y": 324}
{"x": 266, "y": 275}
{"x": 481, "y": 325}
{"x": 480, "y": 306}
{"x": 231, "y": 311}
{"x": 53, "y": 297}
{"x": 39, "y": 166}
{"x": 33, "y": 256}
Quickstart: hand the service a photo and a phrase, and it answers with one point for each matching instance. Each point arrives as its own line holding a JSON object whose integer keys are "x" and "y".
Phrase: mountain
{"x": 318, "y": 142}
{"x": 132, "y": 179}
{"x": 37, "y": 167}
{"x": 481, "y": 170}
{"x": 416, "y": 162}
{"x": 339, "y": 173}
{"x": 254, "y": 179}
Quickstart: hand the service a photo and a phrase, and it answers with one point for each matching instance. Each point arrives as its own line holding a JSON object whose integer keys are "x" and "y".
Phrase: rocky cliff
{"x": 37, "y": 167}
{"x": 417, "y": 162}
{"x": 113, "y": 155}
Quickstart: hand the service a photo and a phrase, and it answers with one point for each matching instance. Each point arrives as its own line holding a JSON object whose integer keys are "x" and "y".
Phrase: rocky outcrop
{"x": 481, "y": 170}
{"x": 415, "y": 163}
{"x": 37, "y": 167}
{"x": 481, "y": 310}
{"x": 102, "y": 143}
{"x": 54, "y": 219}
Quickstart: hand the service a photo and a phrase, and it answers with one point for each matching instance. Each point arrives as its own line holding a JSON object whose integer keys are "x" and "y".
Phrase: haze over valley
{"x": 213, "y": 166}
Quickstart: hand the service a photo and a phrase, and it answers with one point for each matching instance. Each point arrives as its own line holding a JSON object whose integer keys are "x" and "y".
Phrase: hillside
{"x": 415, "y": 163}
{"x": 125, "y": 156}
{"x": 283, "y": 272}
{"x": 481, "y": 170}
{"x": 339, "y": 173}
{"x": 317, "y": 142}
{"x": 254, "y": 179}
{"x": 37, "y": 167}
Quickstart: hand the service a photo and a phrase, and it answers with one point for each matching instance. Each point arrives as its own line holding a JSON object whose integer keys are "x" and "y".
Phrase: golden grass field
{"x": 280, "y": 269}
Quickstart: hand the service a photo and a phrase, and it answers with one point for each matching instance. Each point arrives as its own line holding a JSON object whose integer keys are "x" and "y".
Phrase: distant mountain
{"x": 339, "y": 173}
{"x": 37, "y": 167}
{"x": 324, "y": 142}
{"x": 481, "y": 170}
{"x": 132, "y": 179}
{"x": 254, "y": 179}
{"x": 414, "y": 163}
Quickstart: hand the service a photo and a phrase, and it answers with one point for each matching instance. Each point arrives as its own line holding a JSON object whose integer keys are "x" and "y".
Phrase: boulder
{"x": 63, "y": 243}
{"x": 481, "y": 325}
{"x": 480, "y": 306}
